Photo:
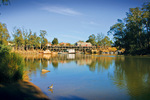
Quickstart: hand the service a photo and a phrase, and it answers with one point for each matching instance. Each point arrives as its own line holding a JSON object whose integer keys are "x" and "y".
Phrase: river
{"x": 91, "y": 77}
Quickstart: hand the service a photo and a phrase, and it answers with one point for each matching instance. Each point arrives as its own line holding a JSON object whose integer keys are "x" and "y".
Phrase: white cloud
{"x": 93, "y": 23}
{"x": 61, "y": 10}
{"x": 90, "y": 23}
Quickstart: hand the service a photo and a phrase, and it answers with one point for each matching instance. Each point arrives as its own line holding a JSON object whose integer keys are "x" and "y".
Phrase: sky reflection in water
{"x": 98, "y": 77}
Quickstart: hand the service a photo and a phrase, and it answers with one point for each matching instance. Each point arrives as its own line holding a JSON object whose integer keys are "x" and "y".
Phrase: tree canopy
{"x": 4, "y": 35}
{"x": 100, "y": 40}
{"x": 18, "y": 37}
{"x": 133, "y": 32}
{"x": 92, "y": 39}
{"x": 55, "y": 41}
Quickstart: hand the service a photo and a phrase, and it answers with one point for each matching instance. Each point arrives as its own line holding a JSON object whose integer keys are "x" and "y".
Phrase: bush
{"x": 11, "y": 65}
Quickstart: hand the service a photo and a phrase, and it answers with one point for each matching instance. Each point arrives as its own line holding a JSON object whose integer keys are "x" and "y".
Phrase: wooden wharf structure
{"x": 85, "y": 49}
{"x": 77, "y": 48}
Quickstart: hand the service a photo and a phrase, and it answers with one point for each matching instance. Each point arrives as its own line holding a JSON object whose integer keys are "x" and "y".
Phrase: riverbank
{"x": 38, "y": 53}
{"x": 35, "y": 52}
{"x": 21, "y": 90}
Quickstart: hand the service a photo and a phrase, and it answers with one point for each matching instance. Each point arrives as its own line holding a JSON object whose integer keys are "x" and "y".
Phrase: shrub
{"x": 11, "y": 65}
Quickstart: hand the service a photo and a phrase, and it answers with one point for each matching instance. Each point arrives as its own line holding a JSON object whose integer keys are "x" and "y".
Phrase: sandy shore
{"x": 22, "y": 90}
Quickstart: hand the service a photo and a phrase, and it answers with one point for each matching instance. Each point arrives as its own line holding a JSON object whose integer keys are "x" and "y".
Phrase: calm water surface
{"x": 89, "y": 77}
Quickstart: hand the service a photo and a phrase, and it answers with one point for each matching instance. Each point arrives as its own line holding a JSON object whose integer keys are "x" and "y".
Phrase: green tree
{"x": 36, "y": 41}
{"x": 45, "y": 41}
{"x": 118, "y": 31}
{"x": 4, "y": 35}
{"x": 92, "y": 39}
{"x": 134, "y": 28}
{"x": 106, "y": 41}
{"x": 42, "y": 36}
{"x": 133, "y": 33}
{"x": 146, "y": 22}
{"x": 55, "y": 41}
{"x": 18, "y": 37}
{"x": 99, "y": 38}
{"x": 31, "y": 39}
{"x": 25, "y": 37}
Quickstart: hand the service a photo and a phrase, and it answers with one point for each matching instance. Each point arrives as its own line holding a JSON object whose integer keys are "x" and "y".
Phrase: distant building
{"x": 64, "y": 44}
{"x": 81, "y": 43}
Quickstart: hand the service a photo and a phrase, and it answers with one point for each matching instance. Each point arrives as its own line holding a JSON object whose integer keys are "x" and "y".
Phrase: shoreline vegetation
{"x": 12, "y": 65}
{"x": 14, "y": 82}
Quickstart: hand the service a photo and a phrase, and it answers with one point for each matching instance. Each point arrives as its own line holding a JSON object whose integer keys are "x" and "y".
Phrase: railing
{"x": 77, "y": 48}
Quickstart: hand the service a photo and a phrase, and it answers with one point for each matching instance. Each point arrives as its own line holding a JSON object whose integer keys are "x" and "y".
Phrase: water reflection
{"x": 100, "y": 63}
{"x": 55, "y": 64}
{"x": 93, "y": 62}
{"x": 130, "y": 74}
{"x": 133, "y": 73}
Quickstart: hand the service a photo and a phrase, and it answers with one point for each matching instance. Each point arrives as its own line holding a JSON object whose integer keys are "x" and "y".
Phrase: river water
{"x": 91, "y": 77}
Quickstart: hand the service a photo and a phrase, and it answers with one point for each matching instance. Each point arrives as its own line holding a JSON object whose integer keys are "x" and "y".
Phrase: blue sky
{"x": 67, "y": 20}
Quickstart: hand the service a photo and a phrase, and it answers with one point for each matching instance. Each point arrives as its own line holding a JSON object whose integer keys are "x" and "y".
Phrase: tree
{"x": 146, "y": 22}
{"x": 30, "y": 39}
{"x": 55, "y": 41}
{"x": 4, "y": 35}
{"x": 42, "y": 36}
{"x": 36, "y": 41}
{"x": 106, "y": 41}
{"x": 133, "y": 33}
{"x": 134, "y": 28}
{"x": 99, "y": 38}
{"x": 25, "y": 37}
{"x": 18, "y": 37}
{"x": 45, "y": 41}
{"x": 118, "y": 32}
{"x": 92, "y": 39}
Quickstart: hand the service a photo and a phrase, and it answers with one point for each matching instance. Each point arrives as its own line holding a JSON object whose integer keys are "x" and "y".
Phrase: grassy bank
{"x": 30, "y": 52}
{"x": 11, "y": 65}
{"x": 12, "y": 85}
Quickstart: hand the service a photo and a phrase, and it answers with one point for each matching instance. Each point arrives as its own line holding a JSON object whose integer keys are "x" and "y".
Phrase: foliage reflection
{"x": 133, "y": 73}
